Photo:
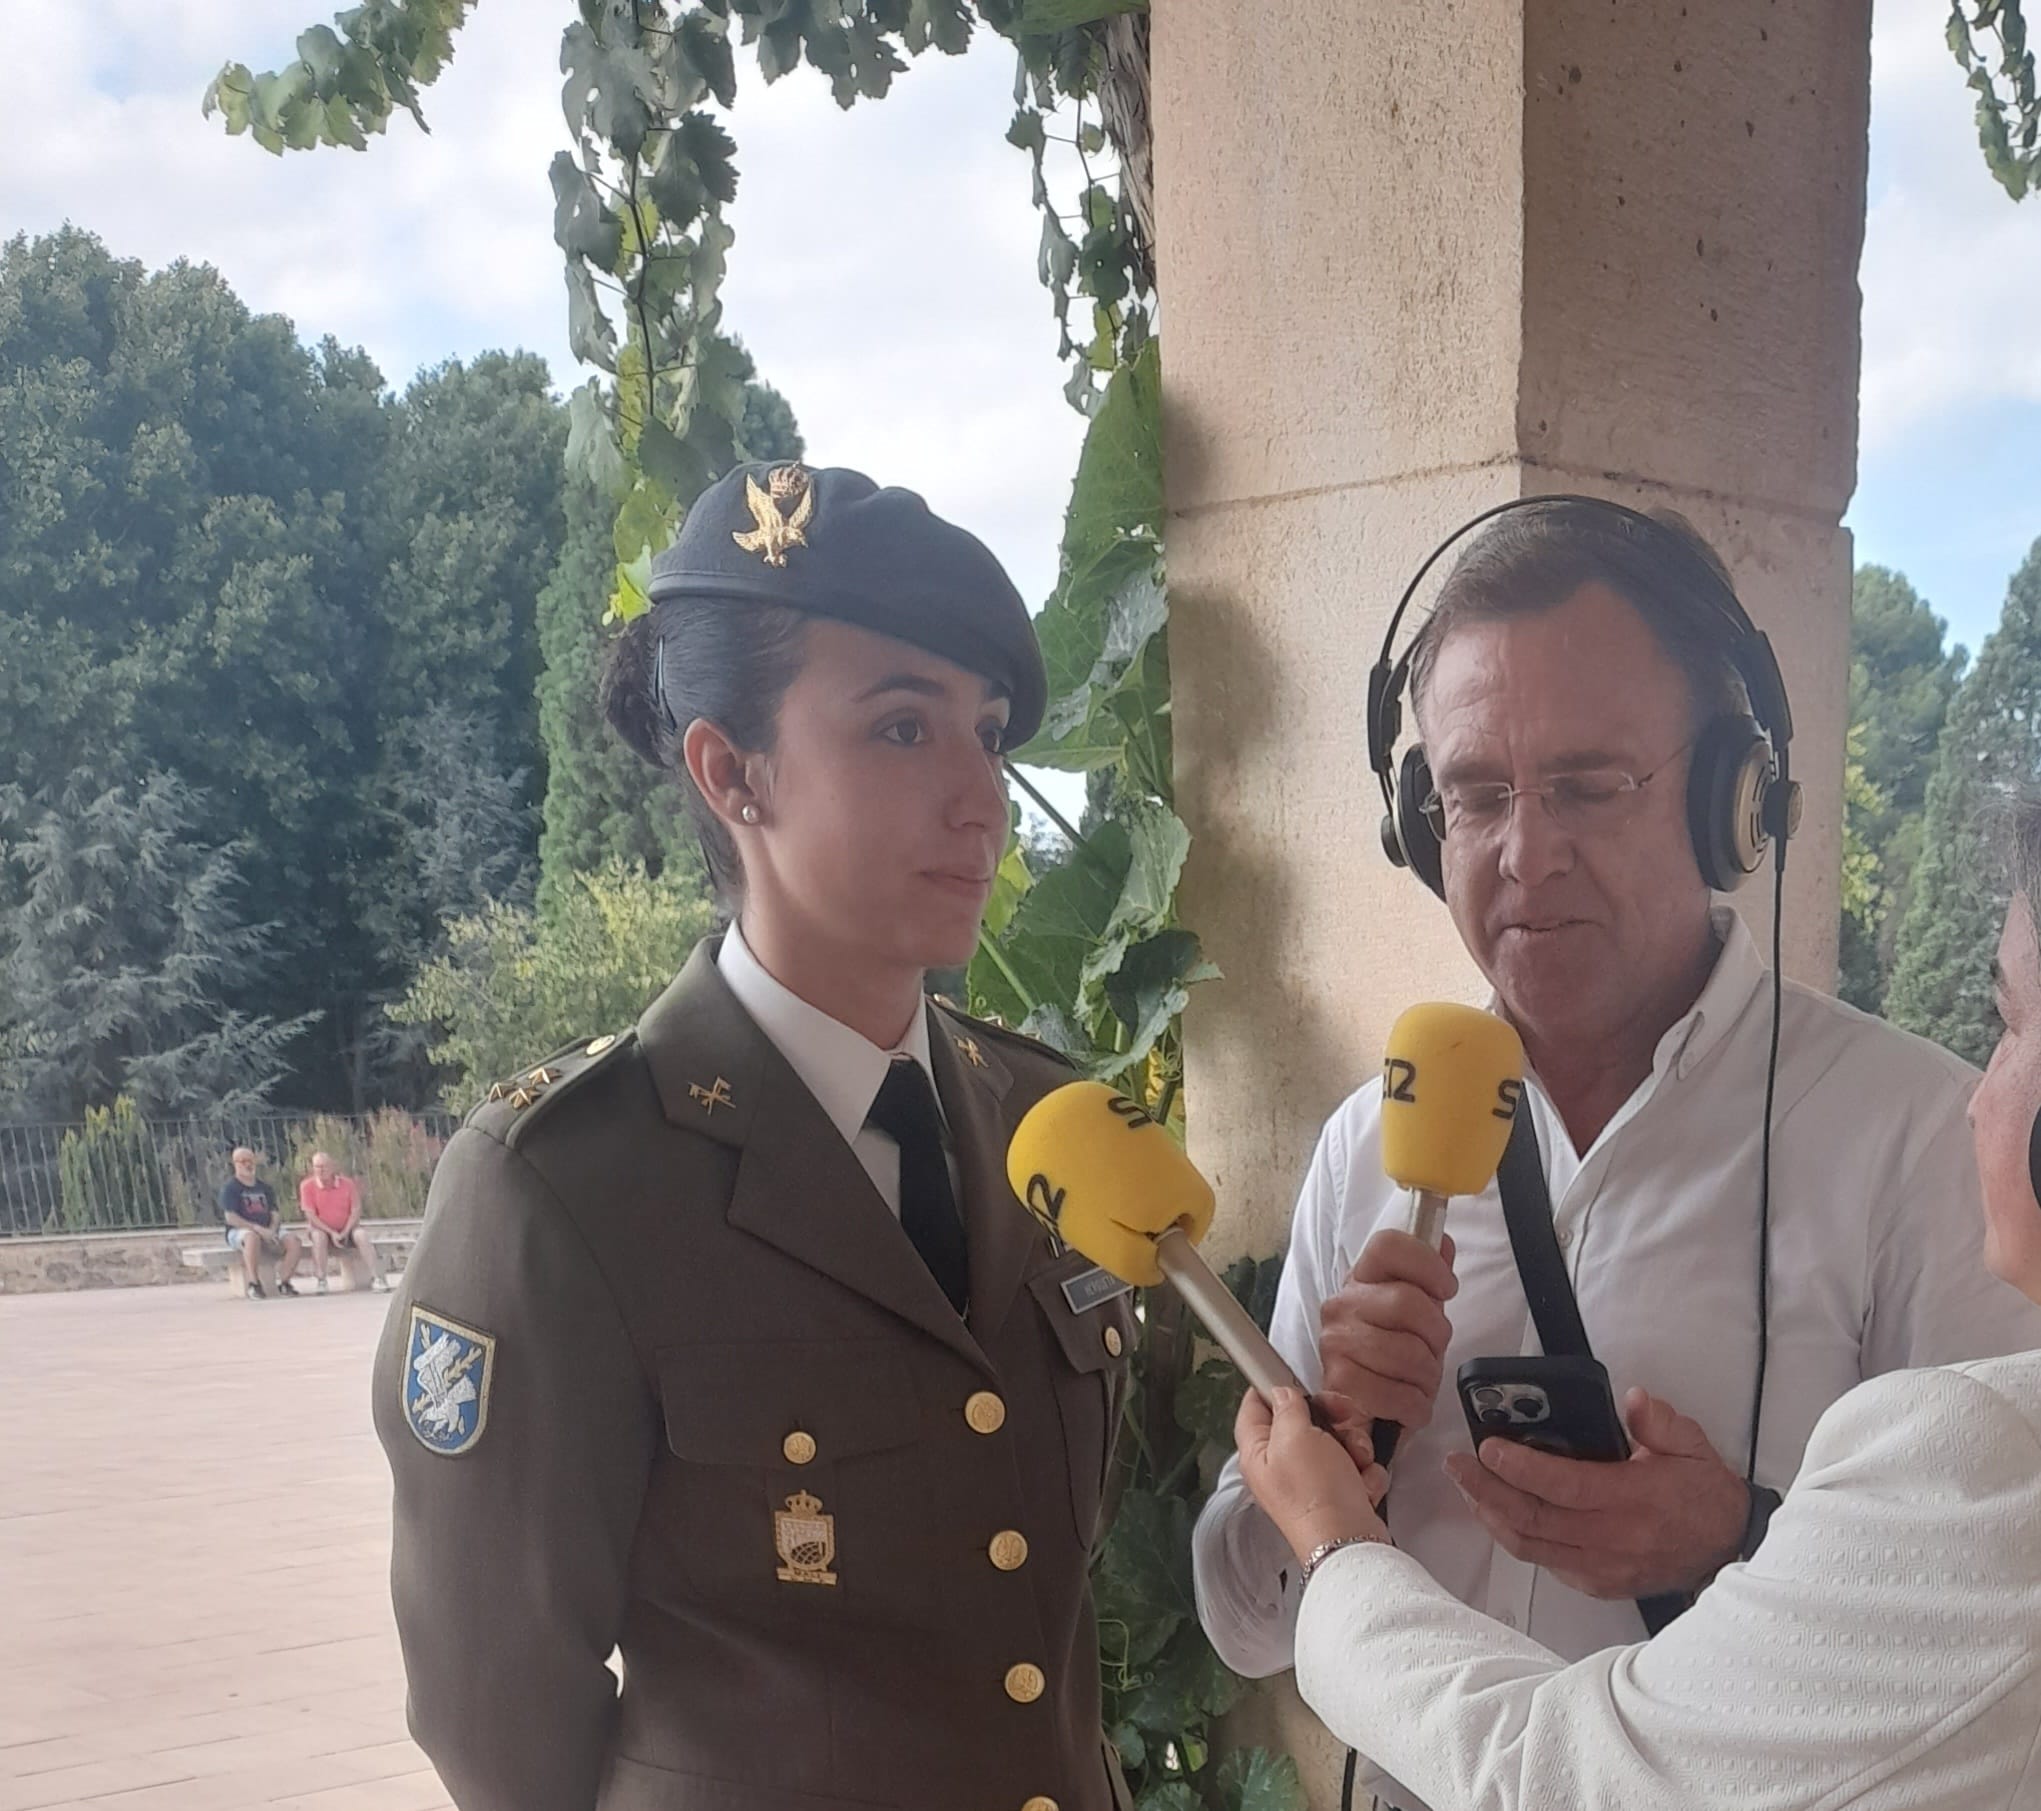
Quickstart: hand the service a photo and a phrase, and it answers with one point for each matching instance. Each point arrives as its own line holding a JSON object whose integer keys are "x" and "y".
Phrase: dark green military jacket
{"x": 666, "y": 1378}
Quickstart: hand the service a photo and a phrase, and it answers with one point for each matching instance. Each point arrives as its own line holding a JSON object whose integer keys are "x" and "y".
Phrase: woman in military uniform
{"x": 726, "y": 1348}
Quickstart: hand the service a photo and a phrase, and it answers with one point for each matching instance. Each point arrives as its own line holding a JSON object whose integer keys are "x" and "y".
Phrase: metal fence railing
{"x": 118, "y": 1171}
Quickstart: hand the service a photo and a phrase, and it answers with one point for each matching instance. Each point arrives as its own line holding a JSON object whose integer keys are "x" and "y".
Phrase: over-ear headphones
{"x": 1741, "y": 798}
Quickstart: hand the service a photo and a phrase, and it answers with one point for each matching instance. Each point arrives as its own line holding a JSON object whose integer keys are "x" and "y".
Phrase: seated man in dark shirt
{"x": 248, "y": 1211}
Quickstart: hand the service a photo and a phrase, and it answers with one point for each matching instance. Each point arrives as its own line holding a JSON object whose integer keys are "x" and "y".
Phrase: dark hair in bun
{"x": 702, "y": 657}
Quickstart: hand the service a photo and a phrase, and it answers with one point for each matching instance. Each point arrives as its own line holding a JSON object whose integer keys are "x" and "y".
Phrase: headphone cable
{"x": 1757, "y": 1403}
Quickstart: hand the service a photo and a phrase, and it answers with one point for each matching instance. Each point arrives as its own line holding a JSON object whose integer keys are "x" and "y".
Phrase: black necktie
{"x": 906, "y": 1112}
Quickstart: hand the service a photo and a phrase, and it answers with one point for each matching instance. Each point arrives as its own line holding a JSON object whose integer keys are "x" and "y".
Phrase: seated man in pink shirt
{"x": 331, "y": 1204}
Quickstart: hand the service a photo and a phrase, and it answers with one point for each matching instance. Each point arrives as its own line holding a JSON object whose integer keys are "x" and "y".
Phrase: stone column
{"x": 1416, "y": 259}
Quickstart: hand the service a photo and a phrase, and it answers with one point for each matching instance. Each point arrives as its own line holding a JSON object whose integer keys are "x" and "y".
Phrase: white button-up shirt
{"x": 842, "y": 1068}
{"x": 1877, "y": 1264}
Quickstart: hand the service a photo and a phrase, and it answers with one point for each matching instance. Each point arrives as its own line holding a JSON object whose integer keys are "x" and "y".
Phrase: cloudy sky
{"x": 884, "y": 272}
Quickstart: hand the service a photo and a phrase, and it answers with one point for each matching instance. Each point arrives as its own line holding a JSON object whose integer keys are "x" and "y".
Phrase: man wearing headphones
{"x": 1603, "y": 748}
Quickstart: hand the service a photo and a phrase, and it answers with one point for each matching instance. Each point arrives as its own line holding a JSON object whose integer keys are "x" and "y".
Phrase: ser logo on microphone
{"x": 1399, "y": 1084}
{"x": 1132, "y": 1111}
{"x": 1045, "y": 1200}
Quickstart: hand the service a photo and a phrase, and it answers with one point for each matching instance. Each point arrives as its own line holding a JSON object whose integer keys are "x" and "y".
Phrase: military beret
{"x": 832, "y": 543}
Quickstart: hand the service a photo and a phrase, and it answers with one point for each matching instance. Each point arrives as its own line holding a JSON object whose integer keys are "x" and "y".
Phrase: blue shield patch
{"x": 447, "y": 1372}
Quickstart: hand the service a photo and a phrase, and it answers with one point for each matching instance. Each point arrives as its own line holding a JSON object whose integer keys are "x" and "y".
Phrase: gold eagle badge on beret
{"x": 777, "y": 528}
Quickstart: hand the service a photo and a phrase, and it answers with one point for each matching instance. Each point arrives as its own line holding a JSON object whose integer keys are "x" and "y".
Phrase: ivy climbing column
{"x": 1416, "y": 259}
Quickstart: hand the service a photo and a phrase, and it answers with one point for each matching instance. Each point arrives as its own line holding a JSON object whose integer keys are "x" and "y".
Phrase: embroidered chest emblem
{"x": 806, "y": 1541}
{"x": 448, "y": 1369}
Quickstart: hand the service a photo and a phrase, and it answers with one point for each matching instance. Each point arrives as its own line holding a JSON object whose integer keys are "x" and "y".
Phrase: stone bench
{"x": 393, "y": 1241}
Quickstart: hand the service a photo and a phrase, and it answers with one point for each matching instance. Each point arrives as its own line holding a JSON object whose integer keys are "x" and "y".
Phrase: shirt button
{"x": 1565, "y": 1237}
{"x": 985, "y": 1413}
{"x": 798, "y": 1447}
{"x": 1025, "y": 1682}
{"x": 1508, "y": 1619}
{"x": 1009, "y": 1550}
{"x": 1114, "y": 1343}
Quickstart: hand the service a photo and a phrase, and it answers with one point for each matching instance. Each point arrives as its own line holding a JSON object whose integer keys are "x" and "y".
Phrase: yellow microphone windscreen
{"x": 1451, "y": 1079}
{"x": 1106, "y": 1179}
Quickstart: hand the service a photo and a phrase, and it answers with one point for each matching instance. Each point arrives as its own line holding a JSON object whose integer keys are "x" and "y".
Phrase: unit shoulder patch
{"x": 448, "y": 1371}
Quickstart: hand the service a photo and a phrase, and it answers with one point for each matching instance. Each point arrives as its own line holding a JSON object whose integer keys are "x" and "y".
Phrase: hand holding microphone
{"x": 1451, "y": 1080}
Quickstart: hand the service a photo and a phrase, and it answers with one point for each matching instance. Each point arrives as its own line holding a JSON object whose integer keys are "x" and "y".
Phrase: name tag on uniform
{"x": 1093, "y": 1288}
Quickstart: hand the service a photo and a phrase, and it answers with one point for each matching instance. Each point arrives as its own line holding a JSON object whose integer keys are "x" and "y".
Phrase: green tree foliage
{"x": 120, "y": 955}
{"x": 639, "y": 200}
{"x": 228, "y": 558}
{"x": 603, "y": 804}
{"x": 1902, "y": 677}
{"x": 513, "y": 986}
{"x": 1989, "y": 40}
{"x": 1941, "y": 979}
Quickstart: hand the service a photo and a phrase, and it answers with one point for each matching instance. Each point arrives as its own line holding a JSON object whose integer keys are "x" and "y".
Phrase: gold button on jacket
{"x": 1009, "y": 1550}
{"x": 662, "y": 1345}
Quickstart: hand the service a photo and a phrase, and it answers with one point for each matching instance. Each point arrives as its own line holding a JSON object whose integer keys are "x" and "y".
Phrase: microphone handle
{"x": 1426, "y": 1220}
{"x": 1225, "y": 1319}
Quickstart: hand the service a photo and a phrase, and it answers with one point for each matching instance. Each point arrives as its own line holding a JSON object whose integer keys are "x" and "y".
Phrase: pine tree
{"x": 1991, "y": 745}
{"x": 1902, "y": 678}
{"x": 118, "y": 962}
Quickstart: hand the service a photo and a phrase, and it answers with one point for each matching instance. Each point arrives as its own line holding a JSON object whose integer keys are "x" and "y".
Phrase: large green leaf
{"x": 1208, "y": 1400}
{"x": 1143, "y": 1571}
{"x": 592, "y": 440}
{"x": 1253, "y": 1283}
{"x": 1065, "y": 915}
{"x": 1118, "y": 492}
{"x": 589, "y": 334}
{"x": 1183, "y": 1688}
{"x": 581, "y": 223}
{"x": 1254, "y": 1780}
{"x": 1147, "y": 988}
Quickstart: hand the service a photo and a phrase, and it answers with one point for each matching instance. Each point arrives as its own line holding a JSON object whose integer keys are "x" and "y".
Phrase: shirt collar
{"x": 1733, "y": 983}
{"x": 842, "y": 1068}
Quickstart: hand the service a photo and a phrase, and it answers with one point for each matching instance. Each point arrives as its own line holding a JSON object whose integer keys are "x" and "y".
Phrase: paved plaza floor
{"x": 194, "y": 1549}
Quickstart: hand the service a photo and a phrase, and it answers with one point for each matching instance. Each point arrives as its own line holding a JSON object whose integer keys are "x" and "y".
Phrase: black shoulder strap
{"x": 1527, "y": 1211}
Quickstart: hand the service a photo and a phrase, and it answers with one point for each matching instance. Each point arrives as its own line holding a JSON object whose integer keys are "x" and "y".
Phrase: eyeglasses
{"x": 1593, "y": 799}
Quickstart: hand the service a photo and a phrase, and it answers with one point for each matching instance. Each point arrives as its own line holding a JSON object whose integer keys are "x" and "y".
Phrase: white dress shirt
{"x": 842, "y": 1068}
{"x": 1881, "y": 1652}
{"x": 1877, "y": 1242}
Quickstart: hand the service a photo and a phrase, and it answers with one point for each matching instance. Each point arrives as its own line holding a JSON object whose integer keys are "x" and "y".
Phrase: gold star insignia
{"x": 521, "y": 1098}
{"x": 497, "y": 1091}
{"x": 542, "y": 1078}
{"x": 972, "y": 1054}
{"x": 712, "y": 1098}
{"x": 774, "y": 531}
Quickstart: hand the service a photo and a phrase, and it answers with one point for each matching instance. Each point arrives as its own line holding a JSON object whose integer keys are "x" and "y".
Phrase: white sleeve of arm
{"x": 1861, "y": 1657}
{"x": 1243, "y": 1571}
{"x": 1932, "y": 1301}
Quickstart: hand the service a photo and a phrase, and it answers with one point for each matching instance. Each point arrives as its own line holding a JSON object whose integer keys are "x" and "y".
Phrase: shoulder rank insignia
{"x": 447, "y": 1372}
{"x": 806, "y": 1541}
{"x": 776, "y": 528}
{"x": 972, "y": 1054}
